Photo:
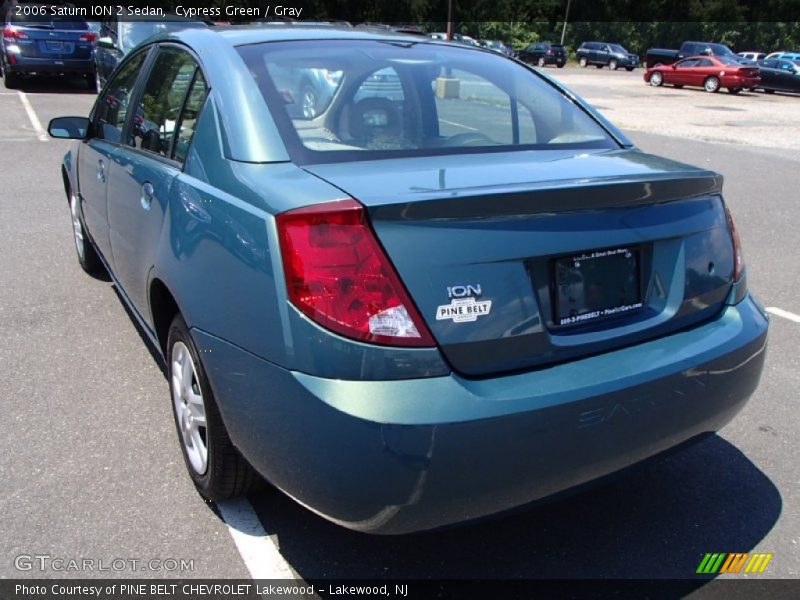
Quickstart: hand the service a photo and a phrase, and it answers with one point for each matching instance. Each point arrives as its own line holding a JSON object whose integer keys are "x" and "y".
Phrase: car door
{"x": 768, "y": 71}
{"x": 605, "y": 54}
{"x": 94, "y": 155}
{"x": 145, "y": 167}
{"x": 703, "y": 68}
{"x": 786, "y": 75}
{"x": 680, "y": 73}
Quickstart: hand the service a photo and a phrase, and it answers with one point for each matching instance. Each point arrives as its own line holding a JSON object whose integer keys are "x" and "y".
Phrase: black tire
{"x": 561, "y": 65}
{"x": 711, "y": 85}
{"x": 93, "y": 82}
{"x": 678, "y": 86}
{"x": 227, "y": 474}
{"x": 12, "y": 80}
{"x": 541, "y": 62}
{"x": 629, "y": 69}
{"x": 87, "y": 255}
{"x": 599, "y": 66}
{"x": 583, "y": 62}
{"x": 769, "y": 91}
{"x": 613, "y": 65}
{"x": 734, "y": 91}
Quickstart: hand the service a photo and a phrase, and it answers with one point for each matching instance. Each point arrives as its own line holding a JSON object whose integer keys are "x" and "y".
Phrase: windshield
{"x": 721, "y": 50}
{"x": 370, "y": 99}
{"x": 617, "y": 48}
{"x": 131, "y": 34}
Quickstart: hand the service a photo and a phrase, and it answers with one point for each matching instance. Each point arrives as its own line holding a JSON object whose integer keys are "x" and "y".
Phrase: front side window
{"x": 405, "y": 99}
{"x": 112, "y": 107}
{"x": 160, "y": 106}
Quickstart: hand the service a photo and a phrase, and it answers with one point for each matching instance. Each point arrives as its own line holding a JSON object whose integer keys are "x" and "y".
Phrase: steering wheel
{"x": 468, "y": 139}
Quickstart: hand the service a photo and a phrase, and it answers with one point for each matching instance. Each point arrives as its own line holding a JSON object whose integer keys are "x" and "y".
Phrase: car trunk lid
{"x": 487, "y": 246}
{"x": 50, "y": 39}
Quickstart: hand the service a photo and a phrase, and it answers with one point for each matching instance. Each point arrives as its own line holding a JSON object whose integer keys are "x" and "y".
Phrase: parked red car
{"x": 708, "y": 72}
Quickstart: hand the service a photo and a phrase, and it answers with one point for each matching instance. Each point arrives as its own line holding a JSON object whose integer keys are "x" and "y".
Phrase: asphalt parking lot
{"x": 90, "y": 462}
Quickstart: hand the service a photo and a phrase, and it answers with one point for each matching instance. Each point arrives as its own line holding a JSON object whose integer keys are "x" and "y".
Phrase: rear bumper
{"x": 50, "y": 66}
{"x": 741, "y": 82}
{"x": 408, "y": 455}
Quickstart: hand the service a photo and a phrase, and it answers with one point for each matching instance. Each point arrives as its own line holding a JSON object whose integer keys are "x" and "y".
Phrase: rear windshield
{"x": 48, "y": 21}
{"x": 362, "y": 100}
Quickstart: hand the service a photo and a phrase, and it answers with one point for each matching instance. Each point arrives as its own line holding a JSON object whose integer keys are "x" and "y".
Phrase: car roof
{"x": 278, "y": 31}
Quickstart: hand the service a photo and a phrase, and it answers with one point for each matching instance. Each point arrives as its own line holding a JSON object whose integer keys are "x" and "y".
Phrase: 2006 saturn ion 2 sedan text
{"x": 453, "y": 290}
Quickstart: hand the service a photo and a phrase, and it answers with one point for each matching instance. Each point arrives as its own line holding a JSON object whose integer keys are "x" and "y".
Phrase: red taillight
{"x": 88, "y": 37}
{"x": 738, "y": 260}
{"x": 339, "y": 276}
{"x": 12, "y": 33}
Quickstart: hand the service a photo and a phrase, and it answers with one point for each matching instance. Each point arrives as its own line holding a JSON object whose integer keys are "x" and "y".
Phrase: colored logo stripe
{"x": 710, "y": 563}
{"x": 758, "y": 563}
{"x": 733, "y": 562}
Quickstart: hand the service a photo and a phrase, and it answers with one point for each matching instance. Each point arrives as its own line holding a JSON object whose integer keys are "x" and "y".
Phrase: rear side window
{"x": 112, "y": 107}
{"x": 189, "y": 116}
{"x": 386, "y": 100}
{"x": 159, "y": 109}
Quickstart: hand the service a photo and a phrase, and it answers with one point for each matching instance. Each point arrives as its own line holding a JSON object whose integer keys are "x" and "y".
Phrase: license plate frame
{"x": 596, "y": 285}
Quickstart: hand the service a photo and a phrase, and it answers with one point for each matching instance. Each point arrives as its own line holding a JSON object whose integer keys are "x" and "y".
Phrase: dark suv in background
{"x": 603, "y": 54}
{"x": 544, "y": 53}
{"x": 38, "y": 43}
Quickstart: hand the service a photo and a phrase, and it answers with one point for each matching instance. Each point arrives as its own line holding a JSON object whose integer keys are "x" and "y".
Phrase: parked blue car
{"x": 415, "y": 308}
{"x": 37, "y": 42}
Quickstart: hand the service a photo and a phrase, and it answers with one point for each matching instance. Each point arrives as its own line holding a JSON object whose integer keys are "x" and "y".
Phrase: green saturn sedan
{"x": 451, "y": 290}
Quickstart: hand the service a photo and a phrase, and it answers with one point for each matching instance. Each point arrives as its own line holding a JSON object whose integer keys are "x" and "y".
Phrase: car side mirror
{"x": 107, "y": 43}
{"x": 68, "y": 128}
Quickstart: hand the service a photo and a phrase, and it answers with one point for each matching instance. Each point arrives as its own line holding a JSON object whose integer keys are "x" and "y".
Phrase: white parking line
{"x": 457, "y": 124}
{"x": 37, "y": 124}
{"x": 779, "y": 312}
{"x": 259, "y": 551}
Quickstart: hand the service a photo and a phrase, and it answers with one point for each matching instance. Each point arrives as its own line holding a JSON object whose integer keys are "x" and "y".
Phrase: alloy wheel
{"x": 656, "y": 79}
{"x": 711, "y": 85}
{"x": 77, "y": 226}
{"x": 190, "y": 410}
{"x": 308, "y": 102}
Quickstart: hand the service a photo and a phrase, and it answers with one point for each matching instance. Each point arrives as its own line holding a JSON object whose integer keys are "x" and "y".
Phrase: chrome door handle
{"x": 101, "y": 171}
{"x": 148, "y": 193}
